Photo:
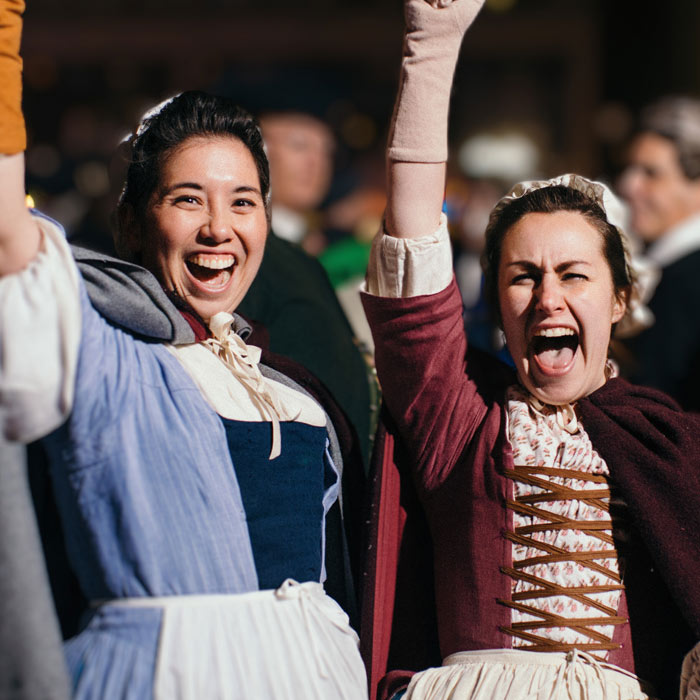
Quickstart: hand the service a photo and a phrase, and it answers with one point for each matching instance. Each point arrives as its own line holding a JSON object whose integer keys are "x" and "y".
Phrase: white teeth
{"x": 554, "y": 332}
{"x": 212, "y": 262}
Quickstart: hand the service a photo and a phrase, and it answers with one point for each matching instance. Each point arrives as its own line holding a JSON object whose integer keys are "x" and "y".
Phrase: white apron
{"x": 293, "y": 642}
{"x": 511, "y": 674}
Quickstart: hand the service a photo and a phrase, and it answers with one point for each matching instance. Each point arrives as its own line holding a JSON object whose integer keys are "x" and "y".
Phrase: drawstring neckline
{"x": 242, "y": 360}
{"x": 565, "y": 413}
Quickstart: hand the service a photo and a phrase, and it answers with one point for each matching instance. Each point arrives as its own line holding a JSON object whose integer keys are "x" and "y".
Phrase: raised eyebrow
{"x": 184, "y": 185}
{"x": 198, "y": 187}
{"x": 561, "y": 267}
{"x": 248, "y": 188}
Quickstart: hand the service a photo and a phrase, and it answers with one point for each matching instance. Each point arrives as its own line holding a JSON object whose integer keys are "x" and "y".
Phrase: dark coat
{"x": 293, "y": 299}
{"x": 666, "y": 356}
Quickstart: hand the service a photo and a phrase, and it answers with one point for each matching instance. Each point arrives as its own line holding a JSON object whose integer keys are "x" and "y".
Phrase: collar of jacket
{"x": 130, "y": 297}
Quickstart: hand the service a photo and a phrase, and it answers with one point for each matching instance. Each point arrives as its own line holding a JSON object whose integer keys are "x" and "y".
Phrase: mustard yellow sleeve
{"x": 13, "y": 138}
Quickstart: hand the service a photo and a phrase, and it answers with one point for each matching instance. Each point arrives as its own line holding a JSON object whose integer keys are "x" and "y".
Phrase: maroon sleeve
{"x": 652, "y": 449}
{"x": 421, "y": 351}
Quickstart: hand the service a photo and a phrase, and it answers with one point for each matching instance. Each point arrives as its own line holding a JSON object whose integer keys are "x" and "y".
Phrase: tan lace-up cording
{"x": 543, "y": 520}
{"x": 242, "y": 360}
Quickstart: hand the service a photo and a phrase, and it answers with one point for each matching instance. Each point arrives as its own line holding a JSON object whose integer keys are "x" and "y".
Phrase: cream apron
{"x": 507, "y": 674}
{"x": 288, "y": 643}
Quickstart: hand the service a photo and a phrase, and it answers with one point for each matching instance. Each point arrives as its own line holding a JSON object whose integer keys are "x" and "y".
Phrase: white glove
{"x": 434, "y": 32}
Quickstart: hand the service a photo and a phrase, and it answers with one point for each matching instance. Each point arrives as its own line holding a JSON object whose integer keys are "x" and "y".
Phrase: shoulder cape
{"x": 652, "y": 449}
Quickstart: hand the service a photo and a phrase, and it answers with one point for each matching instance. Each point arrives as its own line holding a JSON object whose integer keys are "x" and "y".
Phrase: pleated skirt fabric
{"x": 506, "y": 674}
{"x": 283, "y": 644}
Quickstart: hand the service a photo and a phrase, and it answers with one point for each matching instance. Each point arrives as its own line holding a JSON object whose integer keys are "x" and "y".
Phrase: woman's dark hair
{"x": 548, "y": 200}
{"x": 188, "y": 114}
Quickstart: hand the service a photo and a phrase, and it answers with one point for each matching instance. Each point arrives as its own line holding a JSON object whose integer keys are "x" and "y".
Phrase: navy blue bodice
{"x": 283, "y": 498}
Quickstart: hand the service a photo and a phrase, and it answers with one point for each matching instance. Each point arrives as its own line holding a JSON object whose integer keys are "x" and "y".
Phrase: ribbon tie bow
{"x": 242, "y": 360}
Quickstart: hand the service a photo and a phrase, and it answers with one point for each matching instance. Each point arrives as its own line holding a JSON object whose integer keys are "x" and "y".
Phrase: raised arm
{"x": 19, "y": 235}
{"x": 411, "y": 300}
{"x": 417, "y": 149}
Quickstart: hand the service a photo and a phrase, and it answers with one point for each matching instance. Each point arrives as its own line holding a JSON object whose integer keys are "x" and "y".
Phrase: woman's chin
{"x": 563, "y": 389}
{"x": 208, "y": 303}
{"x": 554, "y": 395}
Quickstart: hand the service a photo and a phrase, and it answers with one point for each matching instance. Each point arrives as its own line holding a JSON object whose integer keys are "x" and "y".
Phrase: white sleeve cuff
{"x": 410, "y": 267}
{"x": 40, "y": 327}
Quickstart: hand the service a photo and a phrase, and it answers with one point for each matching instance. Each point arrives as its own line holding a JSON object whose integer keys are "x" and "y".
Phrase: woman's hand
{"x": 19, "y": 235}
{"x": 434, "y": 32}
{"x": 445, "y": 17}
{"x": 417, "y": 148}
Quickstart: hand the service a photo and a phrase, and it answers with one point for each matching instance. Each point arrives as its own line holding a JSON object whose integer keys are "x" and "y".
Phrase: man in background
{"x": 291, "y": 295}
{"x": 661, "y": 184}
{"x": 300, "y": 149}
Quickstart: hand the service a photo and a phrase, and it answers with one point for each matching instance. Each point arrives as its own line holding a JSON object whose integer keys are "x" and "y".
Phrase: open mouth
{"x": 212, "y": 270}
{"x": 554, "y": 348}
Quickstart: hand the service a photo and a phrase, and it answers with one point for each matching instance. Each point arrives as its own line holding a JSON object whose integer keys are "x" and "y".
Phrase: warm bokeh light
{"x": 358, "y": 131}
{"x": 508, "y": 156}
{"x": 500, "y": 5}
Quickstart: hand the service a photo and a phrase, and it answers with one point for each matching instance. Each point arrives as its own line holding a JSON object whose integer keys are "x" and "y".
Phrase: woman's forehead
{"x": 201, "y": 154}
{"x": 560, "y": 234}
{"x": 198, "y": 142}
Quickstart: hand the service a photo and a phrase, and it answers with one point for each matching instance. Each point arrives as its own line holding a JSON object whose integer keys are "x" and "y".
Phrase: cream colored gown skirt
{"x": 509, "y": 674}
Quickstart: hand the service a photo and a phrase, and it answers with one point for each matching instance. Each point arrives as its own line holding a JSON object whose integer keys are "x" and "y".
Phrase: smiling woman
{"x": 196, "y": 485}
{"x": 194, "y": 208}
{"x": 559, "y": 499}
{"x": 205, "y": 226}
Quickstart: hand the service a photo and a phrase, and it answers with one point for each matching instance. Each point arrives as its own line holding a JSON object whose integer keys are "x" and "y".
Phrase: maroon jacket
{"x": 439, "y": 511}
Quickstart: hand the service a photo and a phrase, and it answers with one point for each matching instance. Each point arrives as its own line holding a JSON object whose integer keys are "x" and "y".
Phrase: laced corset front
{"x": 566, "y": 585}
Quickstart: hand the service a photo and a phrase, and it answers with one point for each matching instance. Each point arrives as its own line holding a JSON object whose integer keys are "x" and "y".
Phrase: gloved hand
{"x": 13, "y": 137}
{"x": 434, "y": 32}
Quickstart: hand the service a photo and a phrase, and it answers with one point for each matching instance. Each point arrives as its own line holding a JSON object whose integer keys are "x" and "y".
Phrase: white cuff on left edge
{"x": 410, "y": 267}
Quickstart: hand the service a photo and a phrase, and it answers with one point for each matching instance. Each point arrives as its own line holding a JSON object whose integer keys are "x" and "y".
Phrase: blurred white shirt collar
{"x": 677, "y": 243}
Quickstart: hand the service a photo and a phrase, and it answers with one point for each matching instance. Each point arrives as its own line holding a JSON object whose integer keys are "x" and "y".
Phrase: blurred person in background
{"x": 661, "y": 183}
{"x": 291, "y": 295}
{"x": 350, "y": 223}
{"x": 469, "y": 201}
{"x": 300, "y": 148}
{"x": 487, "y": 163}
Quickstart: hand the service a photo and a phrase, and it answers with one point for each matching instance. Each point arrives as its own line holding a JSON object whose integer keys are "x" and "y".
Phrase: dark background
{"x": 568, "y": 73}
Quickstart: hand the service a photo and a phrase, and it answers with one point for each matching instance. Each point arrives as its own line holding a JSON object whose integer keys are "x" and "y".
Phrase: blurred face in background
{"x": 657, "y": 190}
{"x": 300, "y": 150}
